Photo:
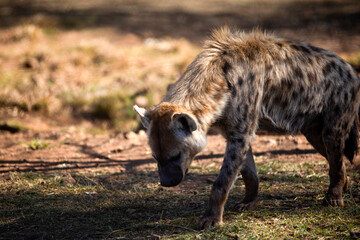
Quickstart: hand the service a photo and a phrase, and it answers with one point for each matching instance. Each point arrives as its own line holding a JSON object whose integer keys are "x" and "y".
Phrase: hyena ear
{"x": 185, "y": 121}
{"x": 143, "y": 115}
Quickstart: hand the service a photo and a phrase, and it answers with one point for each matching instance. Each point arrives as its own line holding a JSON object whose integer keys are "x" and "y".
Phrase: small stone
{"x": 131, "y": 136}
{"x": 155, "y": 237}
{"x": 141, "y": 101}
{"x": 142, "y": 134}
{"x": 31, "y": 63}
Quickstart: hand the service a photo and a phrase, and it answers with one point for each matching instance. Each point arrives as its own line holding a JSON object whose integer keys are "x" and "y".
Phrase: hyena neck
{"x": 202, "y": 90}
{"x": 206, "y": 111}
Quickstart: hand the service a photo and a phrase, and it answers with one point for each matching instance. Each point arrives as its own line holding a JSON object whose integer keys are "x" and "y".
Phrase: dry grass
{"x": 132, "y": 205}
{"x": 91, "y": 74}
{"x": 85, "y": 74}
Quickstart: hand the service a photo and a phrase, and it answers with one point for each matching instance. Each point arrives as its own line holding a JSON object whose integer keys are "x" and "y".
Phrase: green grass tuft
{"x": 36, "y": 144}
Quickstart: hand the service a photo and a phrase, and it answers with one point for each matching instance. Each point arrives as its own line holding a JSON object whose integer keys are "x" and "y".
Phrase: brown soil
{"x": 74, "y": 151}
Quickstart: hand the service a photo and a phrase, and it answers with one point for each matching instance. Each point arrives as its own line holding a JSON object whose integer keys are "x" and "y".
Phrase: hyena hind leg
{"x": 313, "y": 134}
{"x": 326, "y": 142}
{"x": 334, "y": 141}
{"x": 251, "y": 180}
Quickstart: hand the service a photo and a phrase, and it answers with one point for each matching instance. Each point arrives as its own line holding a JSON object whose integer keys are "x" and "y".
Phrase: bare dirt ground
{"x": 118, "y": 152}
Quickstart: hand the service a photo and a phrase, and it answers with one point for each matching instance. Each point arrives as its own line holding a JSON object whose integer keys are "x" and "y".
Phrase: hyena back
{"x": 242, "y": 81}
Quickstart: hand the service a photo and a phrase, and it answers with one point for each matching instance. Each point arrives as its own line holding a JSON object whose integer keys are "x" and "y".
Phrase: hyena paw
{"x": 246, "y": 206}
{"x": 333, "y": 200}
{"x": 209, "y": 221}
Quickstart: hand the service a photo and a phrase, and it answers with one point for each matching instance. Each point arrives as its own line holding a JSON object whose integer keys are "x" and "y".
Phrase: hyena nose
{"x": 168, "y": 183}
{"x": 170, "y": 177}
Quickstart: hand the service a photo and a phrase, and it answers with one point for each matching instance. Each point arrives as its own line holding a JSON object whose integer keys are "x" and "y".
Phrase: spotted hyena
{"x": 244, "y": 81}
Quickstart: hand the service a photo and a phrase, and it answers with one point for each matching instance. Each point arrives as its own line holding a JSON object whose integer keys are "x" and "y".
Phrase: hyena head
{"x": 174, "y": 138}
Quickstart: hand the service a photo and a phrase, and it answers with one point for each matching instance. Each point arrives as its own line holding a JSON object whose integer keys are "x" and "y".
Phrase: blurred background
{"x": 85, "y": 63}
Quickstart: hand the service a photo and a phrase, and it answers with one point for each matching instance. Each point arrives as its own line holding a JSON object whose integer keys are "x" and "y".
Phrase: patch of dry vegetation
{"x": 88, "y": 73}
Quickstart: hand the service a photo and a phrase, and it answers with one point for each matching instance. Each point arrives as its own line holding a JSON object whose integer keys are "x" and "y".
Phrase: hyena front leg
{"x": 251, "y": 180}
{"x": 234, "y": 157}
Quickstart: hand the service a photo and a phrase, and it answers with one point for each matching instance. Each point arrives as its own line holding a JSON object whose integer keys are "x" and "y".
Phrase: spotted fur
{"x": 242, "y": 81}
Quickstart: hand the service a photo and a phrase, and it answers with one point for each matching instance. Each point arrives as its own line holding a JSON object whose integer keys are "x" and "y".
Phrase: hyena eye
{"x": 175, "y": 158}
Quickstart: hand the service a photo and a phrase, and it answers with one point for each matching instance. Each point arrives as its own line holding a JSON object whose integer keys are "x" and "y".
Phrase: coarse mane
{"x": 247, "y": 46}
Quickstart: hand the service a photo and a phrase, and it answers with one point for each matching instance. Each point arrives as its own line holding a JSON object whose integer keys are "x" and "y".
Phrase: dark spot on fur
{"x": 304, "y": 49}
{"x": 294, "y": 95}
{"x": 305, "y": 100}
{"x": 256, "y": 96}
{"x": 316, "y": 49}
{"x": 277, "y": 100}
{"x": 267, "y": 82}
{"x": 266, "y": 98}
{"x": 244, "y": 118}
{"x": 310, "y": 61}
{"x": 341, "y": 72}
{"x": 233, "y": 91}
{"x": 241, "y": 142}
{"x": 219, "y": 184}
{"x": 238, "y": 108}
{"x": 240, "y": 81}
{"x": 250, "y": 117}
{"x": 233, "y": 156}
{"x": 268, "y": 68}
{"x": 333, "y": 64}
{"x": 311, "y": 77}
{"x": 346, "y": 97}
{"x": 251, "y": 77}
{"x": 296, "y": 47}
{"x": 327, "y": 69}
{"x": 284, "y": 104}
{"x": 298, "y": 73}
{"x": 302, "y": 88}
{"x": 245, "y": 110}
{"x": 289, "y": 62}
{"x": 288, "y": 84}
{"x": 337, "y": 110}
{"x": 348, "y": 75}
{"x": 327, "y": 85}
{"x": 226, "y": 69}
{"x": 331, "y": 55}
{"x": 352, "y": 94}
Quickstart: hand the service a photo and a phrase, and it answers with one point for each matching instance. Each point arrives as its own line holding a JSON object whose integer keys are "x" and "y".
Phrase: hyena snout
{"x": 170, "y": 175}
